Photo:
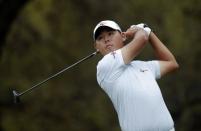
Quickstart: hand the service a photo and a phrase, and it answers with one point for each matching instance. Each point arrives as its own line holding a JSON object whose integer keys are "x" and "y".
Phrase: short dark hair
{"x": 101, "y": 29}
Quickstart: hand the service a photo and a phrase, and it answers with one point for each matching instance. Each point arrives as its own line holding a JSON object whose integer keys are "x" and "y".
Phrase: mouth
{"x": 109, "y": 47}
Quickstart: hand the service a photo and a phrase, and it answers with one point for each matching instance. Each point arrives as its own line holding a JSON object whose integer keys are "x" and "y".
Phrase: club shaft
{"x": 58, "y": 73}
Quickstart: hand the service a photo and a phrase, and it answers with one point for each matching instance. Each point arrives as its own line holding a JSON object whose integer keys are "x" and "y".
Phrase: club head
{"x": 16, "y": 97}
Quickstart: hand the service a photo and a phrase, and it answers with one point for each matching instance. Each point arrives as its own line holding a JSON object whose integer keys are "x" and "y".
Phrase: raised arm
{"x": 133, "y": 48}
{"x": 166, "y": 59}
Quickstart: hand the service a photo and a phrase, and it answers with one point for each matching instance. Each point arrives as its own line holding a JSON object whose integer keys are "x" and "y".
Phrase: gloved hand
{"x": 143, "y": 26}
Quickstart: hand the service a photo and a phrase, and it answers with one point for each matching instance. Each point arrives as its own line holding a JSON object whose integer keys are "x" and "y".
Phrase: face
{"x": 108, "y": 41}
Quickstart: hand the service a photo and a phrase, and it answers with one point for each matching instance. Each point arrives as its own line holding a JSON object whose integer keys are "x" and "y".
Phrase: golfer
{"x": 131, "y": 84}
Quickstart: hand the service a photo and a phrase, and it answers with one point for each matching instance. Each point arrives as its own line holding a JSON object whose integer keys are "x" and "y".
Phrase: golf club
{"x": 17, "y": 95}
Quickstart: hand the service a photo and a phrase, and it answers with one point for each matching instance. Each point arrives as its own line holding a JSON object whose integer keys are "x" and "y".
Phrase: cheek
{"x": 101, "y": 48}
{"x": 98, "y": 46}
{"x": 119, "y": 42}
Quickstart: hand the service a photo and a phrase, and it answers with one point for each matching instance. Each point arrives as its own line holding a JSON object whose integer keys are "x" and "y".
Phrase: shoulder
{"x": 109, "y": 66}
{"x": 110, "y": 59}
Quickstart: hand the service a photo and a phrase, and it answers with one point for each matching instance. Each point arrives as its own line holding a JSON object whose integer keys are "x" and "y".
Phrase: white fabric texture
{"x": 134, "y": 93}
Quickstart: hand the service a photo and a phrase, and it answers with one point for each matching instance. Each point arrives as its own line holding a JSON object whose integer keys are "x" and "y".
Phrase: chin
{"x": 105, "y": 53}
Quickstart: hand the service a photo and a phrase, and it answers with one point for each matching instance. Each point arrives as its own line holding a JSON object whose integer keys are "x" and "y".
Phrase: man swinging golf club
{"x": 130, "y": 84}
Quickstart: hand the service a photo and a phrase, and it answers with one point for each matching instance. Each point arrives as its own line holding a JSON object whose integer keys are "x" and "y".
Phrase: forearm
{"x": 160, "y": 50}
{"x": 166, "y": 59}
{"x": 134, "y": 47}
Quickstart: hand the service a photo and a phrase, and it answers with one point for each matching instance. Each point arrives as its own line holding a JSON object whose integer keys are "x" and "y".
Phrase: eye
{"x": 110, "y": 33}
{"x": 99, "y": 38}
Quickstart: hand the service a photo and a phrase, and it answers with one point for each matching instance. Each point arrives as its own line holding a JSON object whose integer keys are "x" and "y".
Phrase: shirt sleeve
{"x": 110, "y": 67}
{"x": 154, "y": 66}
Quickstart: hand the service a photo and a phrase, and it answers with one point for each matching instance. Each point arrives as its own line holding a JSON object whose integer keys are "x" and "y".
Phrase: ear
{"x": 95, "y": 46}
{"x": 123, "y": 34}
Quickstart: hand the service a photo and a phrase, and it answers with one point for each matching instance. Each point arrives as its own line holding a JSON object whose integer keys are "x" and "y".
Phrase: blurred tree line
{"x": 40, "y": 37}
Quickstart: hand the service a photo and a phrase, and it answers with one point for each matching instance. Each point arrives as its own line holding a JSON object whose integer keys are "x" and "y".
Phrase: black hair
{"x": 101, "y": 29}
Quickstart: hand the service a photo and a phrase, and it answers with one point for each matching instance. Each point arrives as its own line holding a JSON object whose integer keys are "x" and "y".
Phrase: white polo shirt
{"x": 134, "y": 93}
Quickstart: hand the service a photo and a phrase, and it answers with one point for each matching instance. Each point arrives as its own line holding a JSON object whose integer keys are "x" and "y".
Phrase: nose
{"x": 106, "y": 39}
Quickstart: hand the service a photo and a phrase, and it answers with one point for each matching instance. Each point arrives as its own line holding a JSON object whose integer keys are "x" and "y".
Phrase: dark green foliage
{"x": 48, "y": 35}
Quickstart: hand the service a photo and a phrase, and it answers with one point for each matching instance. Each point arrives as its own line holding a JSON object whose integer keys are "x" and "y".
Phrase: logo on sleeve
{"x": 113, "y": 53}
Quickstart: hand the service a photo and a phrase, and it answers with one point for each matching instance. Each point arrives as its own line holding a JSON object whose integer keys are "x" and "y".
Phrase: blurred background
{"x": 40, "y": 37}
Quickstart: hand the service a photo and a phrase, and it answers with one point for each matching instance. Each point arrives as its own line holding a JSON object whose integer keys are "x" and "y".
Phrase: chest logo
{"x": 143, "y": 70}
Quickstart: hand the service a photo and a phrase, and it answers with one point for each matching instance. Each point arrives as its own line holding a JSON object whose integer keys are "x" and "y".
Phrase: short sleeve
{"x": 154, "y": 66}
{"x": 110, "y": 66}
